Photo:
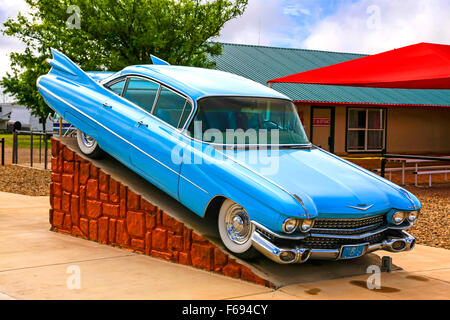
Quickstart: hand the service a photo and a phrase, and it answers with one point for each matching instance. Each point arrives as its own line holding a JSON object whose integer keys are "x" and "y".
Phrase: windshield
{"x": 247, "y": 120}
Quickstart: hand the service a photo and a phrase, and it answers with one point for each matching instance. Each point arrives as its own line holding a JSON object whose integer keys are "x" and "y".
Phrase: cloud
{"x": 368, "y": 26}
{"x": 296, "y": 10}
{"x": 262, "y": 22}
{"x": 9, "y": 9}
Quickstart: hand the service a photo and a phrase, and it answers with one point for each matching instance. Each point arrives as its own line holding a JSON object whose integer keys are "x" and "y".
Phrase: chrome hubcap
{"x": 87, "y": 140}
{"x": 238, "y": 224}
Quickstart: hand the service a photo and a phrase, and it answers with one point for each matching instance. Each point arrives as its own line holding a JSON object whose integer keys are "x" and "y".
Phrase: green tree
{"x": 112, "y": 34}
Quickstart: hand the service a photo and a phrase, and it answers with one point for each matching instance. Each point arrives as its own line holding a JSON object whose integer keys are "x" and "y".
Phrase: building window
{"x": 366, "y": 129}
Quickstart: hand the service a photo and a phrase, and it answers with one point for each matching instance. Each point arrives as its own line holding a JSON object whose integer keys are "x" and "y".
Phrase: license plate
{"x": 349, "y": 252}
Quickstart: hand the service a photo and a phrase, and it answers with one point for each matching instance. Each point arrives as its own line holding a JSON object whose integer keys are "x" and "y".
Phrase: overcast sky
{"x": 360, "y": 26}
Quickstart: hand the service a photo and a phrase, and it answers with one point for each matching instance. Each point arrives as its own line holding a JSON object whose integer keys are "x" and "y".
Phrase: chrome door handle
{"x": 106, "y": 105}
{"x": 140, "y": 123}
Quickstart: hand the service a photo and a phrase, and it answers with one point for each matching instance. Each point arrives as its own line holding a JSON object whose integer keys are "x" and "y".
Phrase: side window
{"x": 117, "y": 87}
{"x": 172, "y": 108}
{"x": 141, "y": 92}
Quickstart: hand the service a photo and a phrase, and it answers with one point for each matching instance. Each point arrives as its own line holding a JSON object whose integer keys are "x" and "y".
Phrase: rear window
{"x": 141, "y": 92}
{"x": 172, "y": 108}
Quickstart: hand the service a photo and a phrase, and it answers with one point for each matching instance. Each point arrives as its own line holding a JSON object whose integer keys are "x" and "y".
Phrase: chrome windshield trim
{"x": 189, "y": 120}
{"x": 120, "y": 137}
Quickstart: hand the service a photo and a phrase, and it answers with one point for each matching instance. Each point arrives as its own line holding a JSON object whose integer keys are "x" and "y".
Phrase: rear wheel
{"x": 89, "y": 146}
{"x": 236, "y": 229}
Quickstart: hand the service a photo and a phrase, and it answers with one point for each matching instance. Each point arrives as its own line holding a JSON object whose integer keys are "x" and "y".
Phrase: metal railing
{"x": 386, "y": 156}
{"x": 43, "y": 143}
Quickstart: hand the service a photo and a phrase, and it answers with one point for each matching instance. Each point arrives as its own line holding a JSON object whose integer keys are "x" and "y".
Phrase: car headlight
{"x": 412, "y": 216}
{"x": 398, "y": 217}
{"x": 306, "y": 225}
{"x": 290, "y": 225}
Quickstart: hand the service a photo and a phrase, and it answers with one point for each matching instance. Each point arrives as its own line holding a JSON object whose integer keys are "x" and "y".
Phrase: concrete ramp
{"x": 104, "y": 201}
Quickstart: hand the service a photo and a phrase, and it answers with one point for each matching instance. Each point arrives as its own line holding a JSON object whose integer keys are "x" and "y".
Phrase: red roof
{"x": 419, "y": 66}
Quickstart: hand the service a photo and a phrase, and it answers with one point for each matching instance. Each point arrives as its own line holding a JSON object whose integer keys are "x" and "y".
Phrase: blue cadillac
{"x": 226, "y": 146}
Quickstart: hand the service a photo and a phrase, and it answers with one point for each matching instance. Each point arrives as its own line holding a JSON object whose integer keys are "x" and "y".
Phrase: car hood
{"x": 328, "y": 185}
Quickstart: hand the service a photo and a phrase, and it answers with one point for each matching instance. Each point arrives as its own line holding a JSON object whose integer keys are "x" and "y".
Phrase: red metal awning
{"x": 419, "y": 66}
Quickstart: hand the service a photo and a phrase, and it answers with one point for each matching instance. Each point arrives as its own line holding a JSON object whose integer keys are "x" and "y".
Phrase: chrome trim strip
{"x": 296, "y": 197}
{"x": 137, "y": 148}
{"x": 156, "y": 99}
{"x": 362, "y": 209}
{"x": 182, "y": 113}
{"x": 277, "y": 235}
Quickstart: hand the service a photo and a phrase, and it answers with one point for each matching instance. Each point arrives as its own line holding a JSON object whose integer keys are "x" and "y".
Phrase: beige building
{"x": 348, "y": 120}
{"x": 369, "y": 129}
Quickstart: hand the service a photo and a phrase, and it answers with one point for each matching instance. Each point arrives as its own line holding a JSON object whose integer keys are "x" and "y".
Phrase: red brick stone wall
{"x": 87, "y": 203}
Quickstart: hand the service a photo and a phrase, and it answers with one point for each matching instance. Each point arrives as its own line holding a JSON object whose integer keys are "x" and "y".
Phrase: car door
{"x": 132, "y": 98}
{"x": 158, "y": 137}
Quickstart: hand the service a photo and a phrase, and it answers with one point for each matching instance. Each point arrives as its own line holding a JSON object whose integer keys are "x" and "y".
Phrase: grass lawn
{"x": 24, "y": 141}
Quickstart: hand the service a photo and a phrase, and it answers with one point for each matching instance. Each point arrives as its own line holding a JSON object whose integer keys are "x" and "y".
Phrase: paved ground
{"x": 34, "y": 264}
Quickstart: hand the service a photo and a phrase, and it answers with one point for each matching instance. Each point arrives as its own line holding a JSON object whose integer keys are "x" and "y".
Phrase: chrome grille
{"x": 265, "y": 233}
{"x": 336, "y": 243}
{"x": 348, "y": 223}
{"x": 343, "y": 228}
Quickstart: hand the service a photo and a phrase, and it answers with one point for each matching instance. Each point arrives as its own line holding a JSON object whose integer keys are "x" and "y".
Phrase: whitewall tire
{"x": 236, "y": 229}
{"x": 89, "y": 146}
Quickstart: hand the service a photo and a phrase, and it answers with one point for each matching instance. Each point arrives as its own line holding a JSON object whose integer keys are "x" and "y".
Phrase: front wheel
{"x": 88, "y": 146}
{"x": 236, "y": 229}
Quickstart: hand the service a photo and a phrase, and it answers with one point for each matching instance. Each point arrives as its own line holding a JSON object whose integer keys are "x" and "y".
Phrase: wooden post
{"x": 14, "y": 153}
{"x": 417, "y": 170}
{"x": 45, "y": 148}
{"x": 383, "y": 162}
{"x": 60, "y": 125}
{"x": 403, "y": 172}
{"x": 3, "y": 151}
{"x": 40, "y": 148}
{"x": 31, "y": 148}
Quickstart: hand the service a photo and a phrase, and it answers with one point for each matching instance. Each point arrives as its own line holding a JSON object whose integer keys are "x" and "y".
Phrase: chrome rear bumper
{"x": 298, "y": 254}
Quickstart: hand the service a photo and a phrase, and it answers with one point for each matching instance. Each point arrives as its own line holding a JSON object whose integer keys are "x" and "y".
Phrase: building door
{"x": 322, "y": 127}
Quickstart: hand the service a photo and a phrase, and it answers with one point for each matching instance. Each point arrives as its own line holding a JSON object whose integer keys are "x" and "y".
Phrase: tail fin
{"x": 66, "y": 68}
{"x": 159, "y": 61}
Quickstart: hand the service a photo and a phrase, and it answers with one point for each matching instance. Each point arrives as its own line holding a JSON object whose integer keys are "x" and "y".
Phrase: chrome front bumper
{"x": 403, "y": 242}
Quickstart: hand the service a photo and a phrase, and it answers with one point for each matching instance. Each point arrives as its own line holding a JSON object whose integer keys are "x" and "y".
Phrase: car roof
{"x": 200, "y": 82}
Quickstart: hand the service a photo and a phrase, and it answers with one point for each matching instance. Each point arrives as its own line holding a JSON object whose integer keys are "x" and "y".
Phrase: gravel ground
{"x": 31, "y": 182}
{"x": 432, "y": 228}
